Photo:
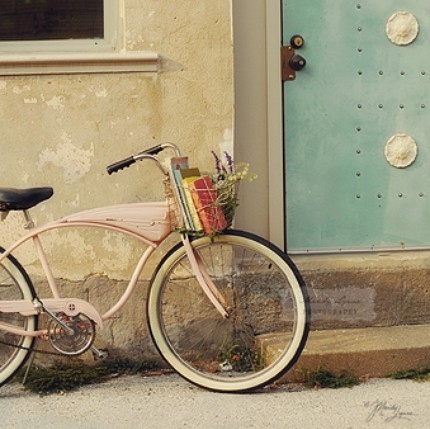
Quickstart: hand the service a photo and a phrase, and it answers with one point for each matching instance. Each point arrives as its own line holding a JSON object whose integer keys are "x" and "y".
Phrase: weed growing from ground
{"x": 418, "y": 374}
{"x": 66, "y": 377}
{"x": 325, "y": 379}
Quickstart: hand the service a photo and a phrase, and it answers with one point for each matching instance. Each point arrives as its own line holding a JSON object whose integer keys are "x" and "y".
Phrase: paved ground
{"x": 169, "y": 402}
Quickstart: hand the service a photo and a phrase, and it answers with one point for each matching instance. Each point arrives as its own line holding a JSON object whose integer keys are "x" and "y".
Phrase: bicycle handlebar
{"x": 119, "y": 165}
{"x": 150, "y": 153}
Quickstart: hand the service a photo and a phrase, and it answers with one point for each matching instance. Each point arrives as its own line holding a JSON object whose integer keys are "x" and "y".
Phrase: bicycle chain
{"x": 31, "y": 349}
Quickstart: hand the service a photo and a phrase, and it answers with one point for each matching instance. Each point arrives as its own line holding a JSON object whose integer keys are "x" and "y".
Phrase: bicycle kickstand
{"x": 30, "y": 364}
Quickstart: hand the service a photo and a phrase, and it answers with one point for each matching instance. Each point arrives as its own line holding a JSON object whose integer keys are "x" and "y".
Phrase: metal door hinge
{"x": 287, "y": 52}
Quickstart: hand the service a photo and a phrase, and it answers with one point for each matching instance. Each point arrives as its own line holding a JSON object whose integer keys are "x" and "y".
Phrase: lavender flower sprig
{"x": 230, "y": 162}
{"x": 217, "y": 162}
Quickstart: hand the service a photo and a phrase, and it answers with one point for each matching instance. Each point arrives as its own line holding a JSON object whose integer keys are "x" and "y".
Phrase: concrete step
{"x": 366, "y": 353}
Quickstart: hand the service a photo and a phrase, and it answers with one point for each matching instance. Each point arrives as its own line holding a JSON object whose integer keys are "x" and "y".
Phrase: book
{"x": 205, "y": 200}
{"x": 187, "y": 176}
{"x": 186, "y": 181}
{"x": 177, "y": 164}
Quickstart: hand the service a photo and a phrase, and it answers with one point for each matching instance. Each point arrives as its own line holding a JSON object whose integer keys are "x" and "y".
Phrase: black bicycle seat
{"x": 23, "y": 199}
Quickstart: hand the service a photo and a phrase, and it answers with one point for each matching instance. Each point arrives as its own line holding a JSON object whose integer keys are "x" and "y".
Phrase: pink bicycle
{"x": 229, "y": 312}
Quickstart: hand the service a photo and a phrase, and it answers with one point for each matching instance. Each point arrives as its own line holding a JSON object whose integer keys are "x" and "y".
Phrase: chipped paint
{"x": 102, "y": 93}
{"x": 80, "y": 249}
{"x": 57, "y": 102}
{"x": 74, "y": 161}
{"x": 20, "y": 89}
{"x": 30, "y": 100}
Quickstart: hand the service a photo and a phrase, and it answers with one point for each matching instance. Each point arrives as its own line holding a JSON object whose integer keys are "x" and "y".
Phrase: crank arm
{"x": 99, "y": 354}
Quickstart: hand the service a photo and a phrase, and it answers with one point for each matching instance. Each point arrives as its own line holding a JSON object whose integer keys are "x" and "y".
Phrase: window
{"x": 66, "y": 36}
{"x": 58, "y": 25}
{"x": 51, "y": 20}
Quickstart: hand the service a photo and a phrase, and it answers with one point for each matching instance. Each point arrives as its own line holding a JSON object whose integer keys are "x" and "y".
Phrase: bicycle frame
{"x": 251, "y": 292}
{"x": 148, "y": 222}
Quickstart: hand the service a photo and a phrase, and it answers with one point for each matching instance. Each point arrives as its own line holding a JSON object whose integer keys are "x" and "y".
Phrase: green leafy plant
{"x": 239, "y": 359}
{"x": 325, "y": 379}
{"x": 417, "y": 374}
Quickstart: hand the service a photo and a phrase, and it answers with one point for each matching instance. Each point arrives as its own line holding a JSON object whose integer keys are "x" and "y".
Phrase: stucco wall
{"x": 62, "y": 130}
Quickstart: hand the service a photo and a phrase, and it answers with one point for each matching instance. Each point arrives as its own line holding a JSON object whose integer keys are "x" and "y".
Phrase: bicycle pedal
{"x": 99, "y": 354}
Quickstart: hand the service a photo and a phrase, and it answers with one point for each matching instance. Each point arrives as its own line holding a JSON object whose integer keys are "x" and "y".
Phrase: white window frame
{"x": 78, "y": 55}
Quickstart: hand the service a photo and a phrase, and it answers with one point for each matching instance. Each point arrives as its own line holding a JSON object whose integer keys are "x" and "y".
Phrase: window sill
{"x": 77, "y": 63}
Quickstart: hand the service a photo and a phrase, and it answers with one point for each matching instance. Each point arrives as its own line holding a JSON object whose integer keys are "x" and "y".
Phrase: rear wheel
{"x": 14, "y": 285}
{"x": 268, "y": 319}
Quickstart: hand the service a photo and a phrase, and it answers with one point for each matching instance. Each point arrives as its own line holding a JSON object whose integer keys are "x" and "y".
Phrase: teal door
{"x": 357, "y": 124}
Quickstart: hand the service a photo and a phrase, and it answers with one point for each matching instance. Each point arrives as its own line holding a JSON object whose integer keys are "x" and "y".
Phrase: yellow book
{"x": 190, "y": 203}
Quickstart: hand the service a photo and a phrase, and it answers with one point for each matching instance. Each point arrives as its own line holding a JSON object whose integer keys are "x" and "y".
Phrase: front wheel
{"x": 14, "y": 349}
{"x": 268, "y": 310}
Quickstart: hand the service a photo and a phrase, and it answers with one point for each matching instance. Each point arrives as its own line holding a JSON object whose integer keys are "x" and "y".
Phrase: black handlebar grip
{"x": 153, "y": 150}
{"x": 116, "y": 166}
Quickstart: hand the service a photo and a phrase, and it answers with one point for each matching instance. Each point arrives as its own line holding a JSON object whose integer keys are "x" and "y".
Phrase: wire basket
{"x": 175, "y": 211}
{"x": 206, "y": 204}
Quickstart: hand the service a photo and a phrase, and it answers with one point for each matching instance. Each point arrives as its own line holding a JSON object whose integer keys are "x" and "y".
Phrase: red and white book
{"x": 205, "y": 200}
